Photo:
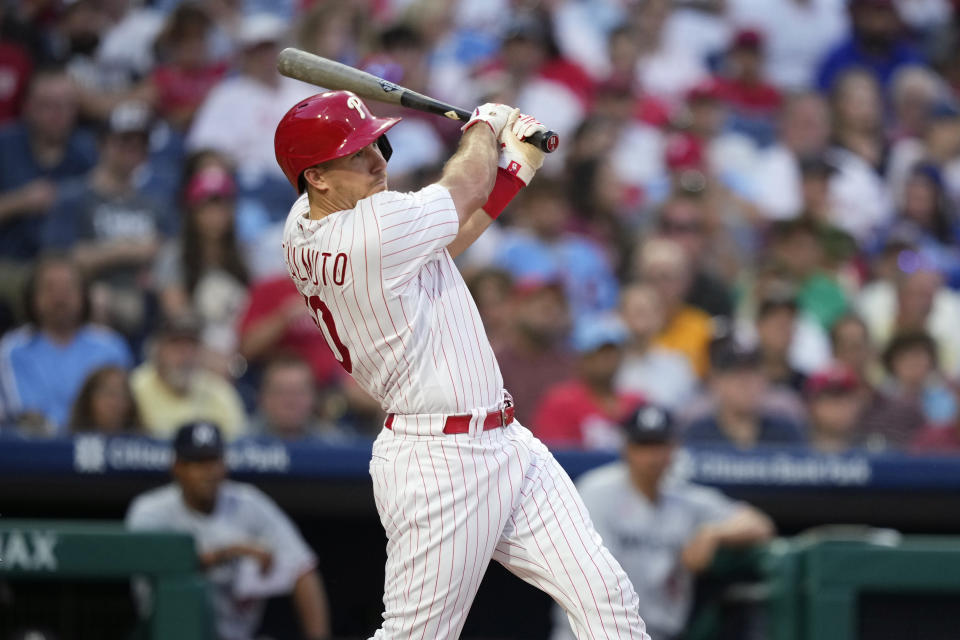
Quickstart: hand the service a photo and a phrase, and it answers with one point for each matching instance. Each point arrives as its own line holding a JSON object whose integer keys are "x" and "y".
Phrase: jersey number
{"x": 324, "y": 320}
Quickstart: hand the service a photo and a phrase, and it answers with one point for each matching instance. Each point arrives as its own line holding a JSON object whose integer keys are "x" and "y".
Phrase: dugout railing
{"x": 37, "y": 557}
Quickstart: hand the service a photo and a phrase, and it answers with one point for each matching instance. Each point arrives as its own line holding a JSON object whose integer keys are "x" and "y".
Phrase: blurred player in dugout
{"x": 249, "y": 549}
{"x": 662, "y": 530}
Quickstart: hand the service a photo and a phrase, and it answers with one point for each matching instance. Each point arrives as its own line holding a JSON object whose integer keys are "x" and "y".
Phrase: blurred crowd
{"x": 753, "y": 220}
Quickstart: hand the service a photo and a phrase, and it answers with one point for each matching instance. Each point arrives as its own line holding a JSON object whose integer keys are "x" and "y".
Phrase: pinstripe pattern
{"x": 414, "y": 335}
{"x": 448, "y": 503}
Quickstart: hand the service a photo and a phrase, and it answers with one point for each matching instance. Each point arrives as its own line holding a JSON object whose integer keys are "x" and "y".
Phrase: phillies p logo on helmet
{"x": 354, "y": 103}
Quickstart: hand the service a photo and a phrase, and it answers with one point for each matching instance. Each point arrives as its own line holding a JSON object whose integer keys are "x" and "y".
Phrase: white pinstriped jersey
{"x": 392, "y": 304}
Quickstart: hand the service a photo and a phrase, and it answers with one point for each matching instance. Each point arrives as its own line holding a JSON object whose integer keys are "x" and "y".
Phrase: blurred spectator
{"x": 662, "y": 376}
{"x": 914, "y": 92}
{"x": 664, "y": 265}
{"x": 753, "y": 102}
{"x": 585, "y": 412}
{"x": 492, "y": 289}
{"x": 926, "y": 221}
{"x": 45, "y": 362}
{"x": 938, "y": 439}
{"x": 839, "y": 247}
{"x": 533, "y": 356}
{"x": 664, "y": 69}
{"x": 914, "y": 374}
{"x": 112, "y": 229}
{"x": 835, "y": 406}
{"x": 171, "y": 387}
{"x": 185, "y": 73}
{"x": 877, "y": 42}
{"x": 662, "y": 530}
{"x": 248, "y": 548}
{"x": 276, "y": 320}
{"x": 403, "y": 57}
{"x": 939, "y": 146}
{"x": 41, "y": 150}
{"x": 540, "y": 246}
{"x": 127, "y": 48}
{"x": 859, "y": 151}
{"x": 798, "y": 33}
{"x": 105, "y": 404}
{"x": 776, "y": 321}
{"x": 728, "y": 156}
{"x": 803, "y": 132}
{"x": 202, "y": 271}
{"x": 531, "y": 74}
{"x": 797, "y": 246}
{"x": 246, "y": 135}
{"x": 737, "y": 386}
{"x": 916, "y": 300}
{"x": 16, "y": 66}
{"x": 852, "y": 348}
{"x": 287, "y": 406}
{"x": 336, "y": 29}
{"x": 684, "y": 219}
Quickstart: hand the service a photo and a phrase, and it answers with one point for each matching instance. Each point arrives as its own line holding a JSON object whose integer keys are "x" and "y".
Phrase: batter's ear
{"x": 316, "y": 178}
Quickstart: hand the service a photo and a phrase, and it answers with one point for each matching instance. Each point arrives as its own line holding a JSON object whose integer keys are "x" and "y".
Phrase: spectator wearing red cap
{"x": 203, "y": 271}
{"x": 180, "y": 82}
{"x": 834, "y": 404}
{"x": 797, "y": 33}
{"x": 753, "y": 102}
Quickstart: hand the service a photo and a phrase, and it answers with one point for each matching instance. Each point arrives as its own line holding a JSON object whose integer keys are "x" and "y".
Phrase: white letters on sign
{"x": 30, "y": 550}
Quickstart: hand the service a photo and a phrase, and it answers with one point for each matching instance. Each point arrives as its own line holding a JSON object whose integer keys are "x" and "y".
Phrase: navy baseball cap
{"x": 197, "y": 441}
{"x": 649, "y": 424}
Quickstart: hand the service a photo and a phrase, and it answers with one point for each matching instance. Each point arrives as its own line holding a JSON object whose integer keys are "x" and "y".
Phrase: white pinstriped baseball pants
{"x": 450, "y": 503}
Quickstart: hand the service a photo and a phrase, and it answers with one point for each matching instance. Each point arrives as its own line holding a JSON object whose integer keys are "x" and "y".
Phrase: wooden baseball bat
{"x": 329, "y": 74}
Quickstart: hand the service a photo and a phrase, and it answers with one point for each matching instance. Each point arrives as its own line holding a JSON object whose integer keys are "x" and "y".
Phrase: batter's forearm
{"x": 469, "y": 175}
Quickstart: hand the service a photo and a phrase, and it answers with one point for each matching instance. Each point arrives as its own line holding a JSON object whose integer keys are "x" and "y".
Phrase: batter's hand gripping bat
{"x": 301, "y": 65}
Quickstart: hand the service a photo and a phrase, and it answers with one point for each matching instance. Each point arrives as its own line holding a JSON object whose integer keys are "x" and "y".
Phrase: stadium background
{"x": 800, "y": 159}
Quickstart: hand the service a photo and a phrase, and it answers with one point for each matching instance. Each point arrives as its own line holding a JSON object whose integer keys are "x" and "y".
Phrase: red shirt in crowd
{"x": 937, "y": 440}
{"x": 301, "y": 336}
{"x": 15, "y": 69}
{"x": 758, "y": 99}
{"x": 183, "y": 90}
{"x": 570, "y": 416}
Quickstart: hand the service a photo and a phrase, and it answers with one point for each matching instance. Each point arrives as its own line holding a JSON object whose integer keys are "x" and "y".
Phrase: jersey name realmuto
{"x": 392, "y": 304}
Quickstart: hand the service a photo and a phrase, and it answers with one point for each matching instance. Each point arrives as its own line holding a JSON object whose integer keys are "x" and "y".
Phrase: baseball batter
{"x": 457, "y": 480}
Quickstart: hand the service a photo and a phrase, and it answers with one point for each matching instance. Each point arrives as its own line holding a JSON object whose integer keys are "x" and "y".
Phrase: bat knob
{"x": 547, "y": 141}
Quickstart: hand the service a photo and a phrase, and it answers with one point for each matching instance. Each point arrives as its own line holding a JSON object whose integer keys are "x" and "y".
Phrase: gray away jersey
{"x": 243, "y": 514}
{"x": 647, "y": 539}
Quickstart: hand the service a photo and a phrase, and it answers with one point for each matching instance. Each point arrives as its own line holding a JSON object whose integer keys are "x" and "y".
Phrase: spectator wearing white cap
{"x": 239, "y": 115}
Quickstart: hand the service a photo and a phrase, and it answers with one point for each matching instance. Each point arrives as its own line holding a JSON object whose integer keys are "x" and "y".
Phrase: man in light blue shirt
{"x": 44, "y": 363}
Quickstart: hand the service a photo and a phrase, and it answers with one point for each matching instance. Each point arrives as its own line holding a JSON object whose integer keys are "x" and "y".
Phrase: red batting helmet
{"x": 328, "y": 125}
